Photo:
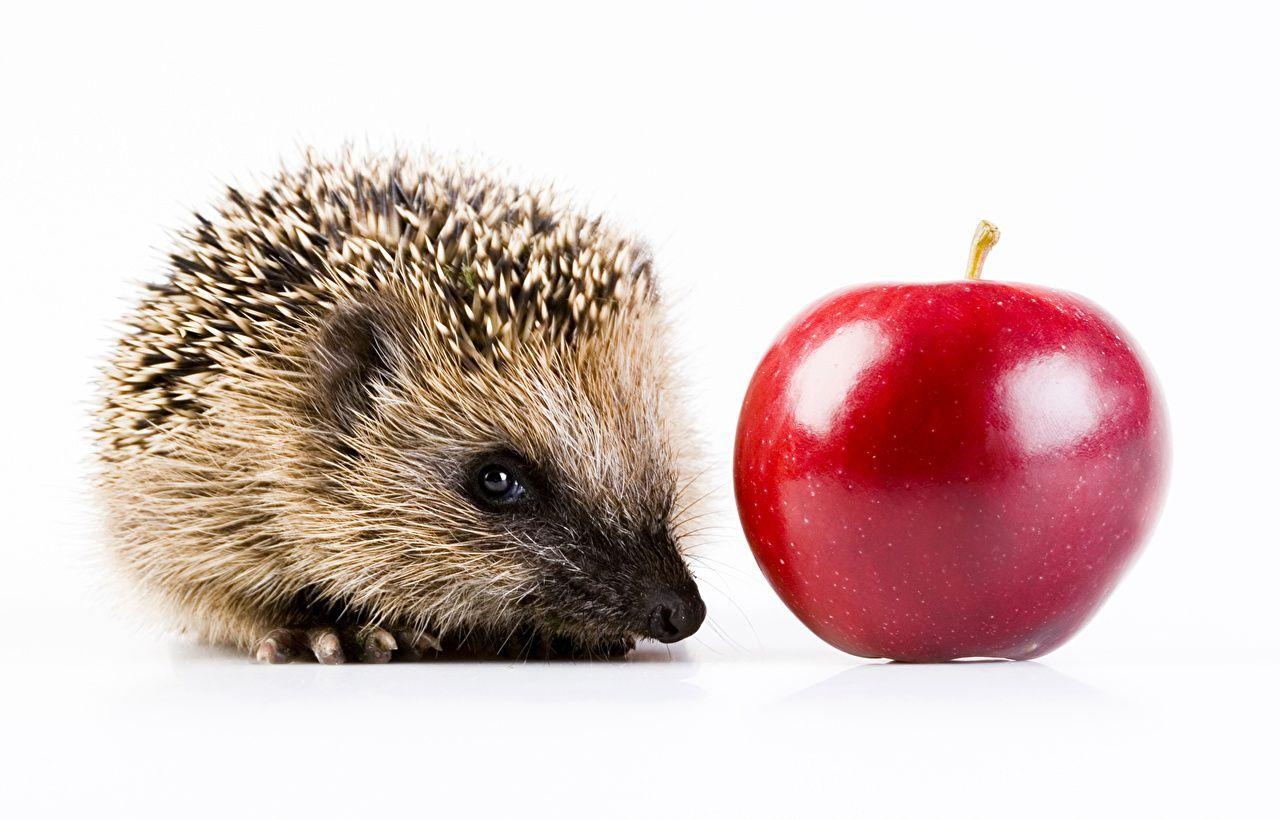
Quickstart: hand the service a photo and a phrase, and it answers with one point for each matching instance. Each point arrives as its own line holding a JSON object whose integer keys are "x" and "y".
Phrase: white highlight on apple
{"x": 1053, "y": 403}
{"x": 838, "y": 361}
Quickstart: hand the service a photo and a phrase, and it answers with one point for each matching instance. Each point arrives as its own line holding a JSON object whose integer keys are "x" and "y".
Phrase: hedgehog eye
{"x": 498, "y": 483}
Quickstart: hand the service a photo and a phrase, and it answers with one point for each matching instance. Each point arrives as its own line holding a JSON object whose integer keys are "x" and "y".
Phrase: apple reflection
{"x": 1054, "y": 403}
{"x": 821, "y": 383}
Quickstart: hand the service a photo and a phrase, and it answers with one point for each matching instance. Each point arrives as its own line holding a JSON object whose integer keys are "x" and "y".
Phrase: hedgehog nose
{"x": 675, "y": 615}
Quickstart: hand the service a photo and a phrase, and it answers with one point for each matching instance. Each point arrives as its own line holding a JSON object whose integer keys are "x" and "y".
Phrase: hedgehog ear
{"x": 355, "y": 353}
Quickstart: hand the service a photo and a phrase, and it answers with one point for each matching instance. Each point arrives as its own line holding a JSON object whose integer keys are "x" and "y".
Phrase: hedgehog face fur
{"x": 382, "y": 402}
{"x": 551, "y": 476}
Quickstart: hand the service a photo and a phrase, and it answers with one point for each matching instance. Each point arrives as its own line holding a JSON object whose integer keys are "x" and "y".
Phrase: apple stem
{"x": 984, "y": 239}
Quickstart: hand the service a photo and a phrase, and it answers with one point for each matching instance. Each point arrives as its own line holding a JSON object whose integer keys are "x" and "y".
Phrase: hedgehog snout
{"x": 674, "y": 613}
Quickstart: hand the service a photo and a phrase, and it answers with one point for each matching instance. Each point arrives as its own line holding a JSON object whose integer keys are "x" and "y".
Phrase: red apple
{"x": 950, "y": 470}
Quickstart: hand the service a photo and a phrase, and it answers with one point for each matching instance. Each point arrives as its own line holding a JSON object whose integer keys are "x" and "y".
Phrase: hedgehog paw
{"x": 329, "y": 645}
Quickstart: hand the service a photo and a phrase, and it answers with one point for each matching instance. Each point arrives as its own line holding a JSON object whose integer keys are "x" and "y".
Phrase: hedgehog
{"x": 387, "y": 407}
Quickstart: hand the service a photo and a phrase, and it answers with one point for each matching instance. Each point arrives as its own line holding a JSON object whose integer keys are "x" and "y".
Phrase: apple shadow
{"x": 994, "y": 684}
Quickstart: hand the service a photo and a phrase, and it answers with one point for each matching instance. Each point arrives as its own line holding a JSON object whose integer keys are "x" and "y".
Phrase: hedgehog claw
{"x": 376, "y": 644}
{"x": 415, "y": 646}
{"x": 325, "y": 644}
{"x": 331, "y": 646}
{"x": 279, "y": 646}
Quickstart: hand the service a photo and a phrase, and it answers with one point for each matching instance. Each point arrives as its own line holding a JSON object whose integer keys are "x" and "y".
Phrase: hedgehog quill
{"x": 385, "y": 407}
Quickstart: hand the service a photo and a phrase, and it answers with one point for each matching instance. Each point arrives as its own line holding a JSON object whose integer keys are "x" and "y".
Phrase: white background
{"x": 1128, "y": 152}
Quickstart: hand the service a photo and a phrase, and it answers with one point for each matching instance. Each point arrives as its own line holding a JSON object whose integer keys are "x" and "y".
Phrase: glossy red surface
{"x": 964, "y": 469}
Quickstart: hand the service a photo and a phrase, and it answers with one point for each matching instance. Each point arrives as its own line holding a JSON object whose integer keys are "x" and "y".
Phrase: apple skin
{"x": 953, "y": 470}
